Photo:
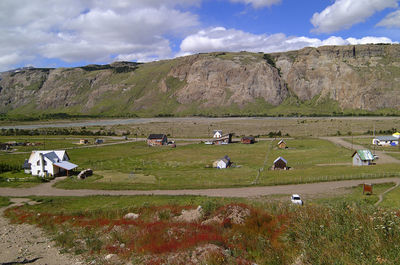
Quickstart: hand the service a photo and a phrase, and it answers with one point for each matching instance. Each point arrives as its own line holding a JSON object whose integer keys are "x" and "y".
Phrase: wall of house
{"x": 358, "y": 162}
{"x": 280, "y": 164}
{"x": 37, "y": 167}
{"x": 221, "y": 164}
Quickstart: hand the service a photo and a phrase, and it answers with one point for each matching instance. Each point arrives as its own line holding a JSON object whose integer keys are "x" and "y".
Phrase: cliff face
{"x": 355, "y": 77}
{"x": 219, "y": 81}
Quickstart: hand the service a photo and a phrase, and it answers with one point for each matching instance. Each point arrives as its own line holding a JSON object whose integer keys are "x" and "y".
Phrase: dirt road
{"x": 27, "y": 244}
{"x": 383, "y": 157}
{"x": 46, "y": 189}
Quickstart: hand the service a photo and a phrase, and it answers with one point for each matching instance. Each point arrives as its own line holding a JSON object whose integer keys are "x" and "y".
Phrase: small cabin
{"x": 98, "y": 141}
{"x": 363, "y": 158}
{"x": 157, "y": 140}
{"x": 248, "y": 140}
{"x": 83, "y": 141}
{"x": 280, "y": 163}
{"x": 224, "y": 162}
{"x": 282, "y": 144}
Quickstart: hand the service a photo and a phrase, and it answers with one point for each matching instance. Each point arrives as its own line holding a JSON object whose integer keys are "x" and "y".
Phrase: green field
{"x": 137, "y": 166}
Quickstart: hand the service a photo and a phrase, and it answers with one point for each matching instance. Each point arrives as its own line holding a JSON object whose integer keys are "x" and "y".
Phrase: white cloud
{"x": 392, "y": 20}
{"x": 368, "y": 40}
{"x": 344, "y": 13}
{"x": 221, "y": 39}
{"x": 92, "y": 30}
{"x": 258, "y": 3}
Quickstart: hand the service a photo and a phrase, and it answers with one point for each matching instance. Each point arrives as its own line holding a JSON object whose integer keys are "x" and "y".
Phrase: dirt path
{"x": 304, "y": 189}
{"x": 27, "y": 244}
{"x": 386, "y": 191}
{"x": 383, "y": 157}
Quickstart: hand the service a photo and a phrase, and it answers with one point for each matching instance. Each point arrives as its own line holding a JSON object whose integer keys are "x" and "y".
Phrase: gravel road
{"x": 27, "y": 244}
{"x": 46, "y": 189}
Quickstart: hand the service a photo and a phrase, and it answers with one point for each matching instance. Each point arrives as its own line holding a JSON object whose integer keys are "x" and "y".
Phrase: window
{"x": 38, "y": 163}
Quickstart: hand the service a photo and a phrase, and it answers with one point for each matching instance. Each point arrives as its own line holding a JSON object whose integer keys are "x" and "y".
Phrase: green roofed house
{"x": 363, "y": 158}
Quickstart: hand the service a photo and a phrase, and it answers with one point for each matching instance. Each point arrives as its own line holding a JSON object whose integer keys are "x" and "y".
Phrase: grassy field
{"x": 4, "y": 201}
{"x": 343, "y": 229}
{"x": 51, "y": 142}
{"x": 137, "y": 166}
{"x": 392, "y": 199}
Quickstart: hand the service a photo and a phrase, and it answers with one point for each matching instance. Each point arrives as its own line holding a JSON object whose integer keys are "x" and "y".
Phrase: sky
{"x": 66, "y": 33}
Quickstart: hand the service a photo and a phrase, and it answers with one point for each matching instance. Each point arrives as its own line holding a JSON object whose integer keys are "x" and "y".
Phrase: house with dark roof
{"x": 50, "y": 163}
{"x": 157, "y": 140}
{"x": 363, "y": 158}
{"x": 248, "y": 140}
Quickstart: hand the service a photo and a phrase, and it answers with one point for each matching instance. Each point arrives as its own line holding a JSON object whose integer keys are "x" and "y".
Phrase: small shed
{"x": 157, "y": 140}
{"x": 248, "y": 140}
{"x": 280, "y": 163}
{"x": 363, "y": 158}
{"x": 98, "y": 141}
{"x": 83, "y": 141}
{"x": 282, "y": 144}
{"x": 224, "y": 162}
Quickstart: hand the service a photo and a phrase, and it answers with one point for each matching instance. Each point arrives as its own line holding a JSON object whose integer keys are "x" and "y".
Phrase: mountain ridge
{"x": 329, "y": 80}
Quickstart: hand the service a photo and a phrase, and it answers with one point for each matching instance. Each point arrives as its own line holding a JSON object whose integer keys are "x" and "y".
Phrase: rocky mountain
{"x": 311, "y": 81}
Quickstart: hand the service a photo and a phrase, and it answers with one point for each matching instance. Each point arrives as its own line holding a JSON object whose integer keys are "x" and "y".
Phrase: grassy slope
{"x": 345, "y": 229}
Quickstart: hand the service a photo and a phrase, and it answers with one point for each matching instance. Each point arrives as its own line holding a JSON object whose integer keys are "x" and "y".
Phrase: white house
{"x": 386, "y": 141}
{"x": 224, "y": 162}
{"x": 217, "y": 134}
{"x": 51, "y": 162}
{"x": 363, "y": 158}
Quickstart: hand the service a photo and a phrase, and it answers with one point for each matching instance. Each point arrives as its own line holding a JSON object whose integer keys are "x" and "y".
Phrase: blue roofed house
{"x": 363, "y": 158}
{"x": 51, "y": 162}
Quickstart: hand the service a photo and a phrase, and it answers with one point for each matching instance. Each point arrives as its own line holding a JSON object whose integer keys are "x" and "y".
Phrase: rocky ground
{"x": 27, "y": 244}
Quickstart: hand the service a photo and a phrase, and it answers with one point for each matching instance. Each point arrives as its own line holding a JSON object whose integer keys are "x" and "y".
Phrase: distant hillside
{"x": 361, "y": 79}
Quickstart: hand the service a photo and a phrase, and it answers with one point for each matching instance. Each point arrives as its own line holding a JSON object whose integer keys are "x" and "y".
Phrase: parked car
{"x": 295, "y": 198}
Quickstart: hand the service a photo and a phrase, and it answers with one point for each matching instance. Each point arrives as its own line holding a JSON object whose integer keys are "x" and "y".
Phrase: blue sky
{"x": 56, "y": 33}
